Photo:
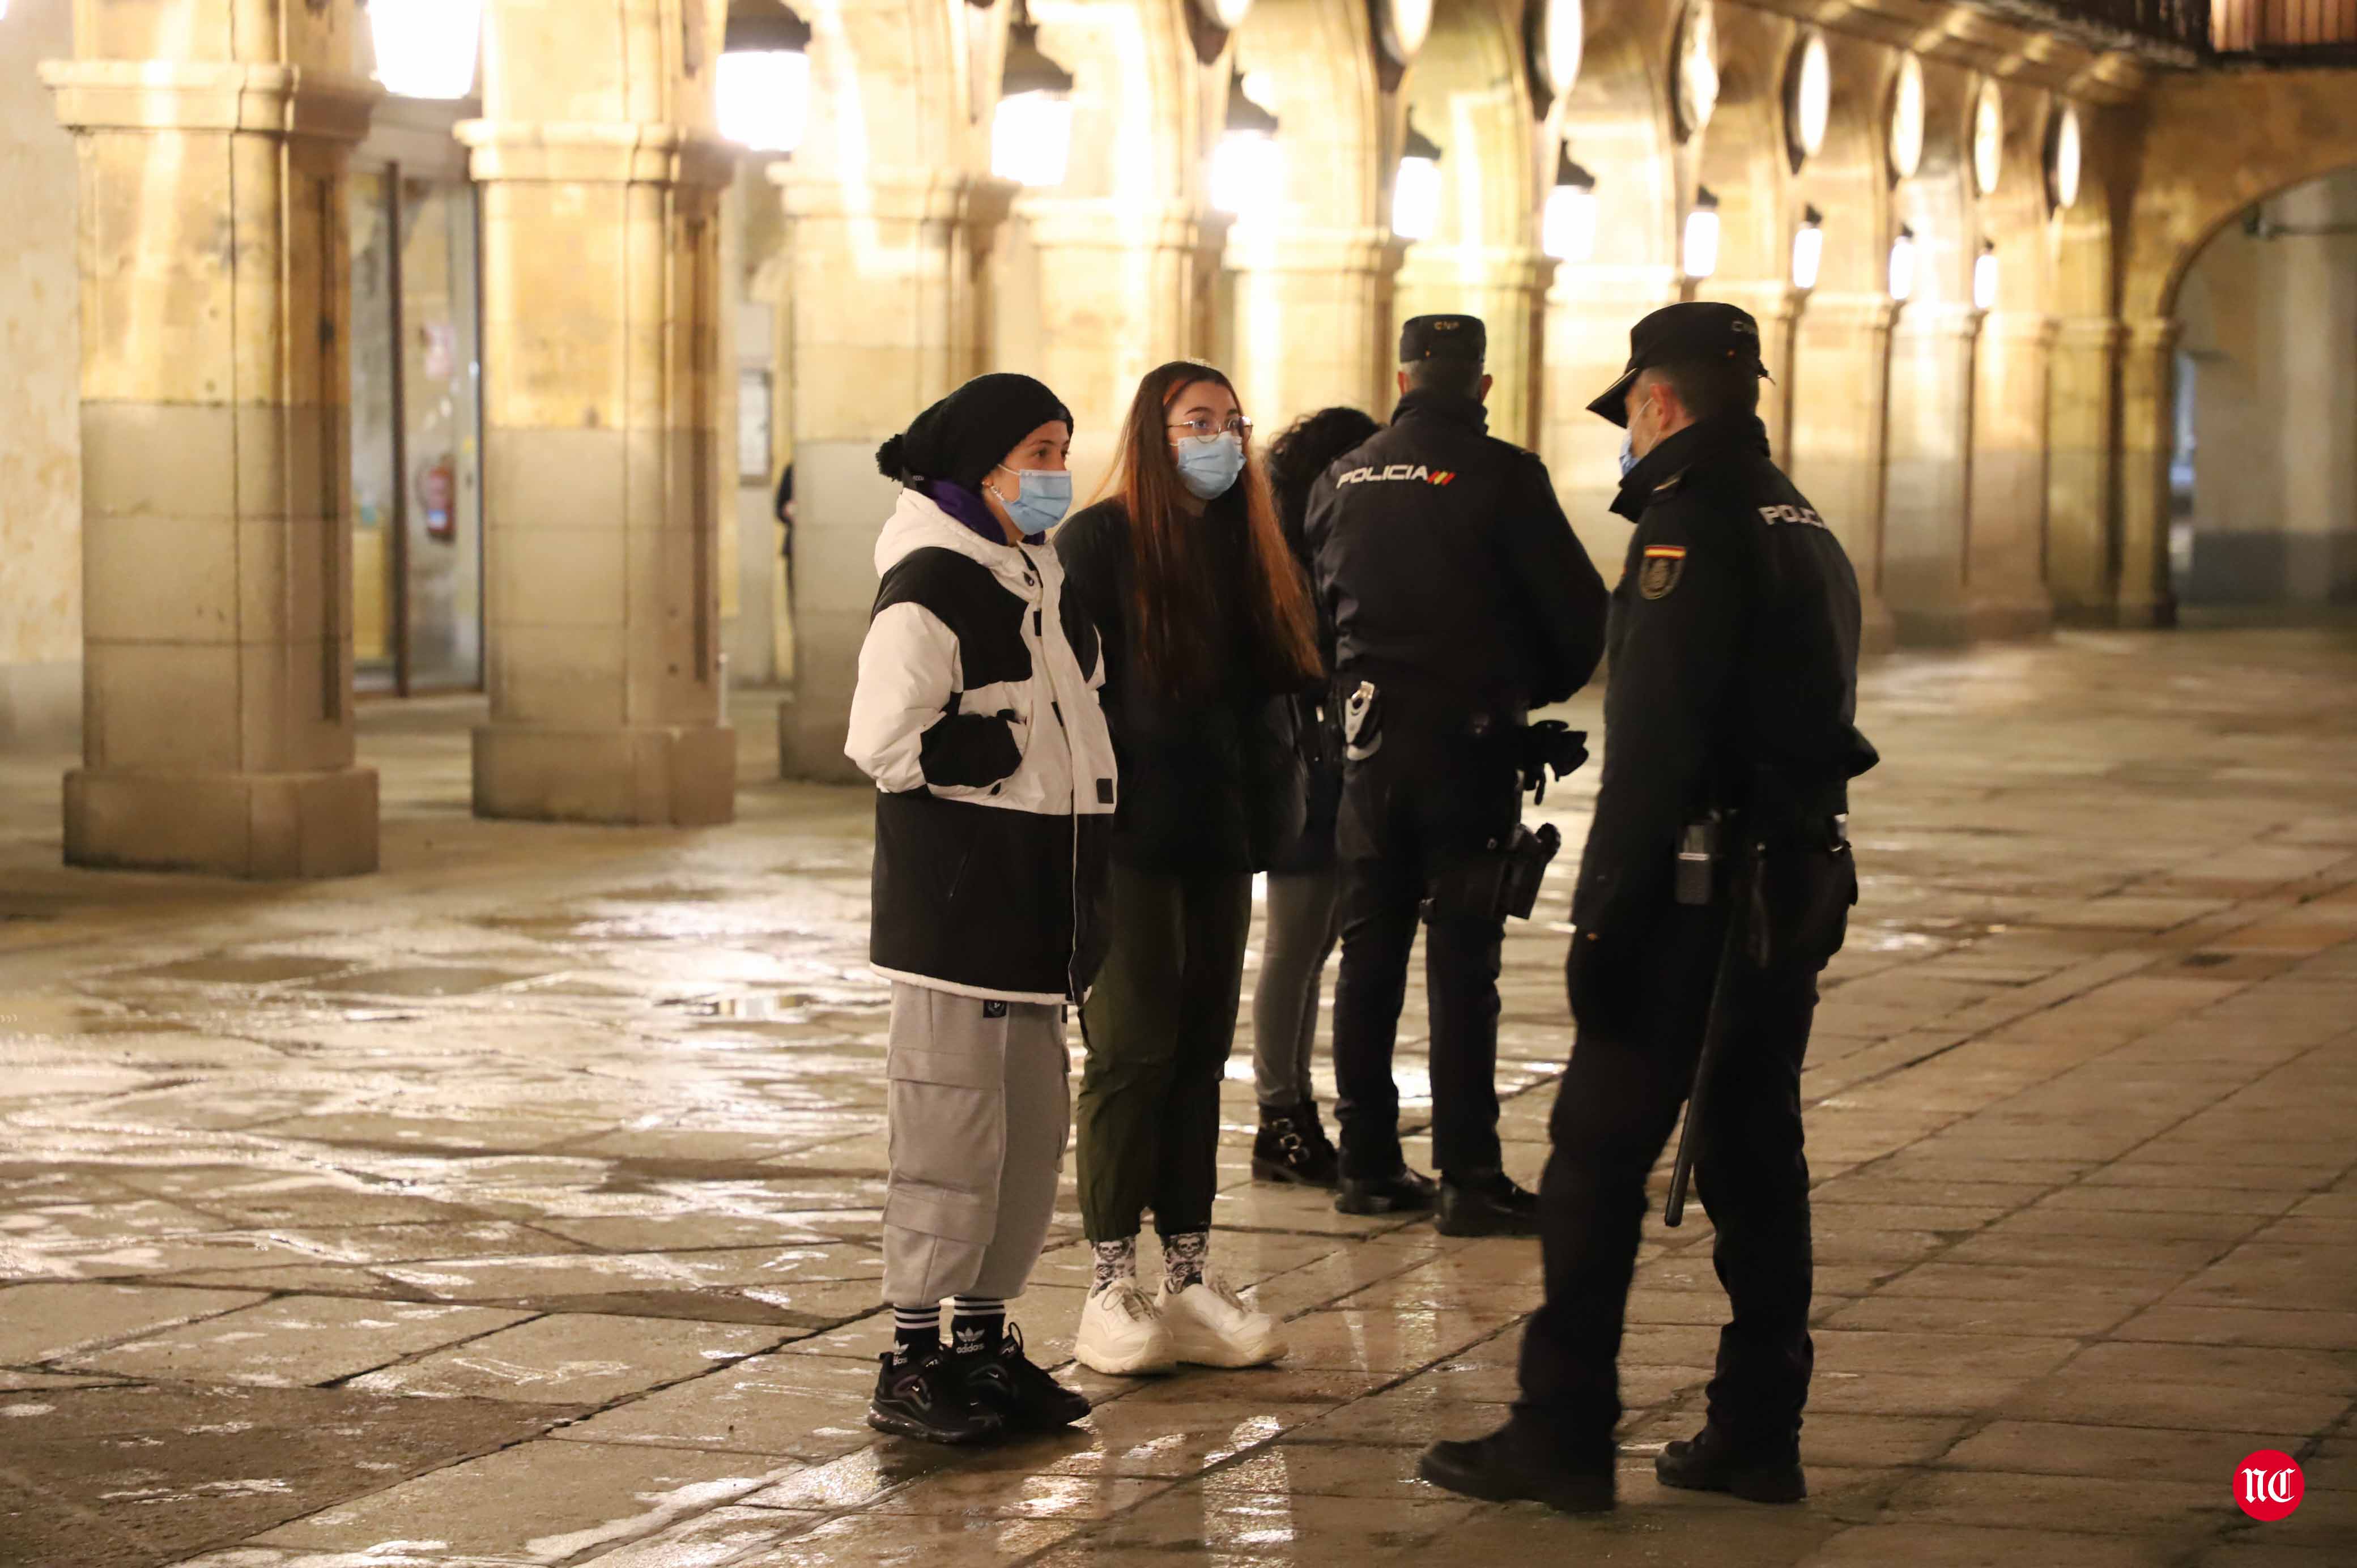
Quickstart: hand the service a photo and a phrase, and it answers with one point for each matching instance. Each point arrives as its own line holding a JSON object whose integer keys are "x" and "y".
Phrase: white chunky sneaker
{"x": 1121, "y": 1335}
{"x": 1211, "y": 1326}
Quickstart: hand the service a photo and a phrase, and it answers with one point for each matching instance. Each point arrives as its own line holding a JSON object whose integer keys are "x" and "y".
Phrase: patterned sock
{"x": 1117, "y": 1261}
{"x": 916, "y": 1332}
{"x": 1182, "y": 1259}
{"x": 976, "y": 1323}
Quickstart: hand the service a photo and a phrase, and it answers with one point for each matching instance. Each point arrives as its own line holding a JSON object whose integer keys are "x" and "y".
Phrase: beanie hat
{"x": 970, "y": 431}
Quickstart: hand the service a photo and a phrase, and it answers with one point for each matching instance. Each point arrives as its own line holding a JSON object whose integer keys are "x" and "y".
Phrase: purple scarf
{"x": 967, "y": 508}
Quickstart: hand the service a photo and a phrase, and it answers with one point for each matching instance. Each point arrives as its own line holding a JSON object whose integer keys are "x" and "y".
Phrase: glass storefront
{"x": 417, "y": 493}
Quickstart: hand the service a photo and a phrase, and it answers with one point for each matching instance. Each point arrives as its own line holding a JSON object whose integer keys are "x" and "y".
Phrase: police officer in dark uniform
{"x": 1729, "y": 742}
{"x": 1457, "y": 598}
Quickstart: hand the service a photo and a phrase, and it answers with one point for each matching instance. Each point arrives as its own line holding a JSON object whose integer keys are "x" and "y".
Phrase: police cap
{"x": 1444, "y": 338}
{"x": 1699, "y": 329}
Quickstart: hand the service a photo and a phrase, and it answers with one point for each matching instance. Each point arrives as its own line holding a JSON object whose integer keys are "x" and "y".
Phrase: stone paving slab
{"x": 519, "y": 1205}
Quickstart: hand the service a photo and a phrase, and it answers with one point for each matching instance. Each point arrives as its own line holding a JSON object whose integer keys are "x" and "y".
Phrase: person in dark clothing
{"x": 1304, "y": 884}
{"x": 1459, "y": 599}
{"x": 1206, "y": 627}
{"x": 1732, "y": 701}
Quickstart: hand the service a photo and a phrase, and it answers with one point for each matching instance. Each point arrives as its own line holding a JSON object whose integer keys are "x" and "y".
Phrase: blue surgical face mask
{"x": 1628, "y": 452}
{"x": 1041, "y": 498}
{"x": 1208, "y": 465}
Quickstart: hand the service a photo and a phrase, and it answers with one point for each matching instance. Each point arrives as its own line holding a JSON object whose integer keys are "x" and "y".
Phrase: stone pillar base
{"x": 810, "y": 746}
{"x": 681, "y": 775}
{"x": 259, "y": 825}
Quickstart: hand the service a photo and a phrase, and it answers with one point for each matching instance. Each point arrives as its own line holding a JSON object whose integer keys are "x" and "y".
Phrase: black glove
{"x": 970, "y": 750}
{"x": 1553, "y": 747}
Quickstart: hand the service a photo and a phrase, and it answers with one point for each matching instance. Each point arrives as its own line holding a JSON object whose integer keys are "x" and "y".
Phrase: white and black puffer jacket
{"x": 987, "y": 881}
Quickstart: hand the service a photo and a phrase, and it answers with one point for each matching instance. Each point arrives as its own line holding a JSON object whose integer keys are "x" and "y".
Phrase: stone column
{"x": 2147, "y": 436}
{"x": 1506, "y": 286}
{"x": 216, "y": 574}
{"x": 886, "y": 320}
{"x": 2004, "y": 558}
{"x": 2082, "y": 422}
{"x": 601, "y": 299}
{"x": 1120, "y": 293}
{"x": 1927, "y": 472}
{"x": 1837, "y": 403}
{"x": 1589, "y": 309}
{"x": 1315, "y": 323}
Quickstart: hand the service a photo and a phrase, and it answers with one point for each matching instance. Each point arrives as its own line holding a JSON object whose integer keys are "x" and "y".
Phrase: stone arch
{"x": 1469, "y": 90}
{"x": 2208, "y": 147}
{"x": 1616, "y": 122}
{"x": 1310, "y": 293}
{"x": 1841, "y": 335}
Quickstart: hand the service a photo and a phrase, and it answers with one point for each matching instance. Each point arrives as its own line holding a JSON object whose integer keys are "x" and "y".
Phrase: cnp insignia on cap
{"x": 1697, "y": 329}
{"x": 1444, "y": 336}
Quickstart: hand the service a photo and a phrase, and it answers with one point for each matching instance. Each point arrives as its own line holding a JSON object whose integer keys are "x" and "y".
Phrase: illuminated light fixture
{"x": 1906, "y": 118}
{"x": 1808, "y": 248}
{"x": 425, "y": 49}
{"x": 1988, "y": 138}
{"x": 1400, "y": 27}
{"x": 1985, "y": 278}
{"x": 762, "y": 88}
{"x": 1902, "y": 265}
{"x": 1567, "y": 232}
{"x": 2064, "y": 151}
{"x": 1553, "y": 39}
{"x": 1415, "y": 190}
{"x": 1808, "y": 100}
{"x": 1698, "y": 257}
{"x": 1225, "y": 15}
{"x": 1247, "y": 166}
{"x": 1031, "y": 132}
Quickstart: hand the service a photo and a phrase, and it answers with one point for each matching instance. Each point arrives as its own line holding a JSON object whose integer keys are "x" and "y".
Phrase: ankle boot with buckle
{"x": 1292, "y": 1147}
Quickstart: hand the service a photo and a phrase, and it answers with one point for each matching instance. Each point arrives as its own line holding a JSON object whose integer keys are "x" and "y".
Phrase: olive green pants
{"x": 1159, "y": 1026}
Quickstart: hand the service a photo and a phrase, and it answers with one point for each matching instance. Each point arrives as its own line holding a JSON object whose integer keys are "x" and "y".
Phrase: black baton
{"x": 1714, "y": 1031}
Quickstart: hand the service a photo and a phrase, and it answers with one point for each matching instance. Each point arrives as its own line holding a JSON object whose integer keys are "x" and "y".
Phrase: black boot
{"x": 1292, "y": 1147}
{"x": 1486, "y": 1203}
{"x": 1003, "y": 1379}
{"x": 923, "y": 1397}
{"x": 1710, "y": 1462}
{"x": 1503, "y": 1467}
{"x": 1401, "y": 1192}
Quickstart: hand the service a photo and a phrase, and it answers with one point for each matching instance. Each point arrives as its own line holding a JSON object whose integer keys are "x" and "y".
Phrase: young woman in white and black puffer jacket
{"x": 976, "y": 714}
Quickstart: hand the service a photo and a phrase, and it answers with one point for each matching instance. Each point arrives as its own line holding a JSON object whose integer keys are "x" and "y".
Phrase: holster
{"x": 1501, "y": 881}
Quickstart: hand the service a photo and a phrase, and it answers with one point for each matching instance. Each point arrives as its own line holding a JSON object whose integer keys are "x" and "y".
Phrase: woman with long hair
{"x": 1207, "y": 628}
{"x": 1303, "y": 882}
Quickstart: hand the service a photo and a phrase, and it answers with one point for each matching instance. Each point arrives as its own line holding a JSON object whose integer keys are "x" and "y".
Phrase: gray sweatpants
{"x": 978, "y": 1112}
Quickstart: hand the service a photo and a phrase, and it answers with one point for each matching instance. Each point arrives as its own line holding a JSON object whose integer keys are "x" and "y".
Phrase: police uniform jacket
{"x": 1733, "y": 655}
{"x": 1446, "y": 569}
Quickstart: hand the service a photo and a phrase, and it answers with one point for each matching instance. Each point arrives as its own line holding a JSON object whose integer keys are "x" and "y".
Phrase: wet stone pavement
{"x": 519, "y": 1206}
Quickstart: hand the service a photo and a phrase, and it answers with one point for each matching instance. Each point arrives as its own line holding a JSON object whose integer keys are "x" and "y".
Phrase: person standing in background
{"x": 1303, "y": 883}
{"x": 1206, "y": 629}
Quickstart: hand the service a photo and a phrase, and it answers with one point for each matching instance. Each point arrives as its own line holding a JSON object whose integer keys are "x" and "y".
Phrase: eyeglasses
{"x": 1237, "y": 425}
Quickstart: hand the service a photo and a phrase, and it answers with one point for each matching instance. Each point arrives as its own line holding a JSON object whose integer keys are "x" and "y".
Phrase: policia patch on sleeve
{"x": 1664, "y": 563}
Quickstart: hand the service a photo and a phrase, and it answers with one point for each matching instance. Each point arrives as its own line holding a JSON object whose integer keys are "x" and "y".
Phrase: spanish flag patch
{"x": 1664, "y": 565}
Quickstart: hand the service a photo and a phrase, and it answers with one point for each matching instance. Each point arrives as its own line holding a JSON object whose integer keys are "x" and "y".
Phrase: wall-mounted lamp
{"x": 1415, "y": 190}
{"x": 1031, "y": 134}
{"x": 1808, "y": 248}
{"x": 1698, "y": 257}
{"x": 1567, "y": 230}
{"x": 762, "y": 88}
{"x": 1984, "y": 277}
{"x": 425, "y": 49}
{"x": 1247, "y": 166}
{"x": 1902, "y": 265}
